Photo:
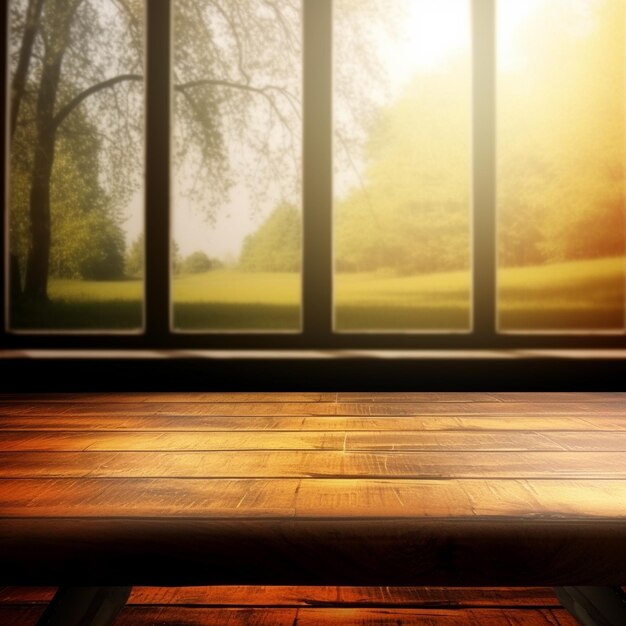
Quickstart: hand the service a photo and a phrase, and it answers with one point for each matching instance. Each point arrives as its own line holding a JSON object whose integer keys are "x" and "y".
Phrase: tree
{"x": 55, "y": 52}
{"x": 86, "y": 235}
{"x": 412, "y": 213}
{"x": 62, "y": 55}
{"x": 237, "y": 73}
{"x": 134, "y": 262}
{"x": 560, "y": 185}
{"x": 198, "y": 262}
{"x": 561, "y": 137}
{"x": 277, "y": 245}
{"x": 176, "y": 258}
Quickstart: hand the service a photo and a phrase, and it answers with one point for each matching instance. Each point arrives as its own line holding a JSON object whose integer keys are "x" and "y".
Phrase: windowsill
{"x": 617, "y": 354}
{"x": 65, "y": 370}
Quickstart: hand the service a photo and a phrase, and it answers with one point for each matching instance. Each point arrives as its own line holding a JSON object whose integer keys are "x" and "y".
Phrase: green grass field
{"x": 586, "y": 295}
{"x": 86, "y": 305}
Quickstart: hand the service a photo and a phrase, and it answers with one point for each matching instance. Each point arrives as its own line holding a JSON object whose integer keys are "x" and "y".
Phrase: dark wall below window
{"x": 282, "y": 372}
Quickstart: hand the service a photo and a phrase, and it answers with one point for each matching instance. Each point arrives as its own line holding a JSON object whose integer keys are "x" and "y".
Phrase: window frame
{"x": 317, "y": 274}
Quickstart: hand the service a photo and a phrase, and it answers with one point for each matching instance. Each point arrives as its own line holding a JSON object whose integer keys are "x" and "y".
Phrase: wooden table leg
{"x": 594, "y": 606}
{"x": 85, "y": 606}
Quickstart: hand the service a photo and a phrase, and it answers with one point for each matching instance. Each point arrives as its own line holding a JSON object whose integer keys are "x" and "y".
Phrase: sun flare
{"x": 434, "y": 31}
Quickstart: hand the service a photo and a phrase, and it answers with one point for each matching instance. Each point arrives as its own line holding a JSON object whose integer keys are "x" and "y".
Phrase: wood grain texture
{"x": 197, "y": 441}
{"x": 486, "y": 441}
{"x": 314, "y": 464}
{"x": 20, "y": 615}
{"x": 360, "y": 396}
{"x": 392, "y": 409}
{"x": 499, "y": 396}
{"x": 212, "y": 397}
{"x": 552, "y": 500}
{"x": 314, "y": 489}
{"x": 390, "y": 441}
{"x": 199, "y": 423}
{"x": 347, "y": 597}
{"x": 346, "y": 617}
{"x": 149, "y": 616}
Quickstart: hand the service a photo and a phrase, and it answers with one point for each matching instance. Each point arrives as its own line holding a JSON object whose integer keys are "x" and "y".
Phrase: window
{"x": 505, "y": 170}
{"x": 402, "y": 175}
{"x": 76, "y": 166}
{"x": 237, "y": 193}
{"x": 560, "y": 171}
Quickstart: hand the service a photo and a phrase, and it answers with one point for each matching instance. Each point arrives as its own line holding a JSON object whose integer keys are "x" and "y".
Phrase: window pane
{"x": 402, "y": 165}
{"x": 561, "y": 134}
{"x": 76, "y": 165}
{"x": 237, "y": 218}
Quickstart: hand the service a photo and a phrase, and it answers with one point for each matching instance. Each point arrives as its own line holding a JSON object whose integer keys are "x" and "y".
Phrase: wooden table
{"x": 313, "y": 489}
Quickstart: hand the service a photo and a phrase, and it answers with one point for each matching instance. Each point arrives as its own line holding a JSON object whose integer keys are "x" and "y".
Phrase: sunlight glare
{"x": 437, "y": 30}
{"x": 578, "y": 18}
{"x": 510, "y": 18}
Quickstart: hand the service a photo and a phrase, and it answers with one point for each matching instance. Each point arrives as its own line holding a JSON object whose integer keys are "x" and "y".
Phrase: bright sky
{"x": 432, "y": 31}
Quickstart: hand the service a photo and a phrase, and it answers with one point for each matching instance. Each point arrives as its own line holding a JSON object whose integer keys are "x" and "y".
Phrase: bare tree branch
{"x": 264, "y": 91}
{"x": 18, "y": 85}
{"x": 83, "y": 95}
{"x": 235, "y": 34}
{"x": 110, "y": 82}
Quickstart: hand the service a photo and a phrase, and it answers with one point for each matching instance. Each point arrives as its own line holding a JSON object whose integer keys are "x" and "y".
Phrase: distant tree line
{"x": 194, "y": 263}
{"x": 276, "y": 245}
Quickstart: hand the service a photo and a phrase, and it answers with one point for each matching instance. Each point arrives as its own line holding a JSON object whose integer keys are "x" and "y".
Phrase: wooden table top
{"x": 313, "y": 488}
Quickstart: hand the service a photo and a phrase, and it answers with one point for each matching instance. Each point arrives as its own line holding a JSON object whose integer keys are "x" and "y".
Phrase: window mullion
{"x": 158, "y": 191}
{"x": 317, "y": 274}
{"x": 4, "y": 237}
{"x": 484, "y": 170}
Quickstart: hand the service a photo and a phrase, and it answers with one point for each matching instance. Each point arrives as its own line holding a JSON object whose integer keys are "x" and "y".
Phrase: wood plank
{"x": 148, "y": 616}
{"x": 485, "y": 441}
{"x": 342, "y": 397}
{"x": 470, "y": 617}
{"x": 148, "y": 498}
{"x": 133, "y": 397}
{"x": 562, "y": 396}
{"x": 393, "y": 409}
{"x": 510, "y": 409}
{"x": 310, "y": 440}
{"x": 107, "y": 422}
{"x": 413, "y": 396}
{"x": 424, "y": 617}
{"x": 216, "y": 440}
{"x": 304, "y": 396}
{"x": 349, "y": 597}
{"x": 170, "y": 408}
{"x": 20, "y": 615}
{"x": 484, "y": 500}
{"x": 314, "y": 464}
{"x": 498, "y": 396}
{"x": 589, "y": 441}
{"x": 463, "y": 499}
{"x": 344, "y": 617}
{"x": 207, "y": 617}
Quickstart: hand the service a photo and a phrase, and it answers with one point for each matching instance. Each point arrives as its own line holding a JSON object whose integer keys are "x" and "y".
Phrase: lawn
{"x": 86, "y": 305}
{"x": 232, "y": 300}
{"x": 586, "y": 295}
